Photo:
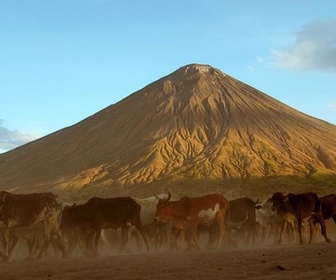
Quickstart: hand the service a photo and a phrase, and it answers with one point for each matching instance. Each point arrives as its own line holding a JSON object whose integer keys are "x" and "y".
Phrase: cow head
{"x": 266, "y": 208}
{"x": 163, "y": 209}
{"x": 278, "y": 200}
{"x": 258, "y": 204}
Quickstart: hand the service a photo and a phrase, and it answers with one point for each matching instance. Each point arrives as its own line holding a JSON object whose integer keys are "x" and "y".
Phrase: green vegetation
{"x": 254, "y": 187}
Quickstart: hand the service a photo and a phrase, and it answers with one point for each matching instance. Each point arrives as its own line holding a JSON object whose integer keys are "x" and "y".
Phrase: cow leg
{"x": 173, "y": 239}
{"x": 59, "y": 244}
{"x": 124, "y": 237}
{"x": 44, "y": 246}
{"x": 46, "y": 239}
{"x": 85, "y": 241}
{"x": 9, "y": 243}
{"x": 9, "y": 246}
{"x": 220, "y": 235}
{"x": 31, "y": 242}
{"x": 90, "y": 237}
{"x": 72, "y": 241}
{"x": 177, "y": 239}
{"x": 280, "y": 231}
{"x": 220, "y": 221}
{"x": 140, "y": 229}
{"x": 96, "y": 242}
{"x": 312, "y": 229}
{"x": 164, "y": 238}
{"x": 195, "y": 239}
{"x": 300, "y": 230}
{"x": 334, "y": 218}
{"x": 184, "y": 239}
{"x": 290, "y": 228}
{"x": 145, "y": 238}
{"x": 5, "y": 244}
{"x": 263, "y": 234}
{"x": 135, "y": 235}
{"x": 320, "y": 220}
{"x": 12, "y": 242}
{"x": 213, "y": 237}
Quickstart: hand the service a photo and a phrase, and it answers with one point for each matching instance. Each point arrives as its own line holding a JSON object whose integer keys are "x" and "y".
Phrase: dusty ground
{"x": 289, "y": 261}
{"x": 315, "y": 261}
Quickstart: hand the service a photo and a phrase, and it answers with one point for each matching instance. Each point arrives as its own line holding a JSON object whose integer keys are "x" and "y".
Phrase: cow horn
{"x": 168, "y": 197}
{"x": 156, "y": 196}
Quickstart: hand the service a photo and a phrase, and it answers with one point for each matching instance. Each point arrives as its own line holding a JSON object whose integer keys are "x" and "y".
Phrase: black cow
{"x": 103, "y": 213}
{"x": 303, "y": 206}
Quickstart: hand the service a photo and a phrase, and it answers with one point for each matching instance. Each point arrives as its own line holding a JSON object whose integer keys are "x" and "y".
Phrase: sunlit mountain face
{"x": 194, "y": 131}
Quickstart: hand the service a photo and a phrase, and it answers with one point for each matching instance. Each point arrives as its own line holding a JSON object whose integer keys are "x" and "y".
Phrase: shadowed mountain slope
{"x": 194, "y": 125}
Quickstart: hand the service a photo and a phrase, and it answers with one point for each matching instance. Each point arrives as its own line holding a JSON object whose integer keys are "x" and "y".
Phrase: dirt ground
{"x": 315, "y": 261}
{"x": 288, "y": 261}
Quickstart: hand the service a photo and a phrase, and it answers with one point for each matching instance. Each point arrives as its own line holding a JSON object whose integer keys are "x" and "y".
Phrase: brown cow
{"x": 242, "y": 218}
{"x": 303, "y": 206}
{"x": 103, "y": 213}
{"x": 329, "y": 206}
{"x": 28, "y": 212}
{"x": 74, "y": 235}
{"x": 189, "y": 213}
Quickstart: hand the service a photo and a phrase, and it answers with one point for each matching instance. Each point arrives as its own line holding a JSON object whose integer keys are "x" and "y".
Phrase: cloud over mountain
{"x": 10, "y": 139}
{"x": 314, "y": 48}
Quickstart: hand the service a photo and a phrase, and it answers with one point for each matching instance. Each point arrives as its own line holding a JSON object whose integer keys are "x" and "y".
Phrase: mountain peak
{"x": 202, "y": 68}
{"x": 194, "y": 68}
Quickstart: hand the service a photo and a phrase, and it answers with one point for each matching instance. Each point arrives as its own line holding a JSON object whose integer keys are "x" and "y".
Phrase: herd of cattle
{"x": 41, "y": 221}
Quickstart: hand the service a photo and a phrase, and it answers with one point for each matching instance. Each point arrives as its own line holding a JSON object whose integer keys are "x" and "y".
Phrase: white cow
{"x": 269, "y": 221}
{"x": 34, "y": 217}
{"x": 156, "y": 231}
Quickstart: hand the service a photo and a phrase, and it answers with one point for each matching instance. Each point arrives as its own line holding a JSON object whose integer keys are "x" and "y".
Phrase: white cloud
{"x": 10, "y": 139}
{"x": 260, "y": 60}
{"x": 332, "y": 106}
{"x": 314, "y": 49}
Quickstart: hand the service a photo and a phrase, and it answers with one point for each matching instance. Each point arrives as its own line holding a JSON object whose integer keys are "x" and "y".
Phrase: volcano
{"x": 196, "y": 130}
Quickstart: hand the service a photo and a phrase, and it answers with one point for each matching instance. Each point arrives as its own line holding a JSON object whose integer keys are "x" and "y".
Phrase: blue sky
{"x": 64, "y": 60}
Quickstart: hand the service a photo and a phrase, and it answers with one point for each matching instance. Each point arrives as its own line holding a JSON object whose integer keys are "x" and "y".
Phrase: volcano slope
{"x": 194, "y": 131}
